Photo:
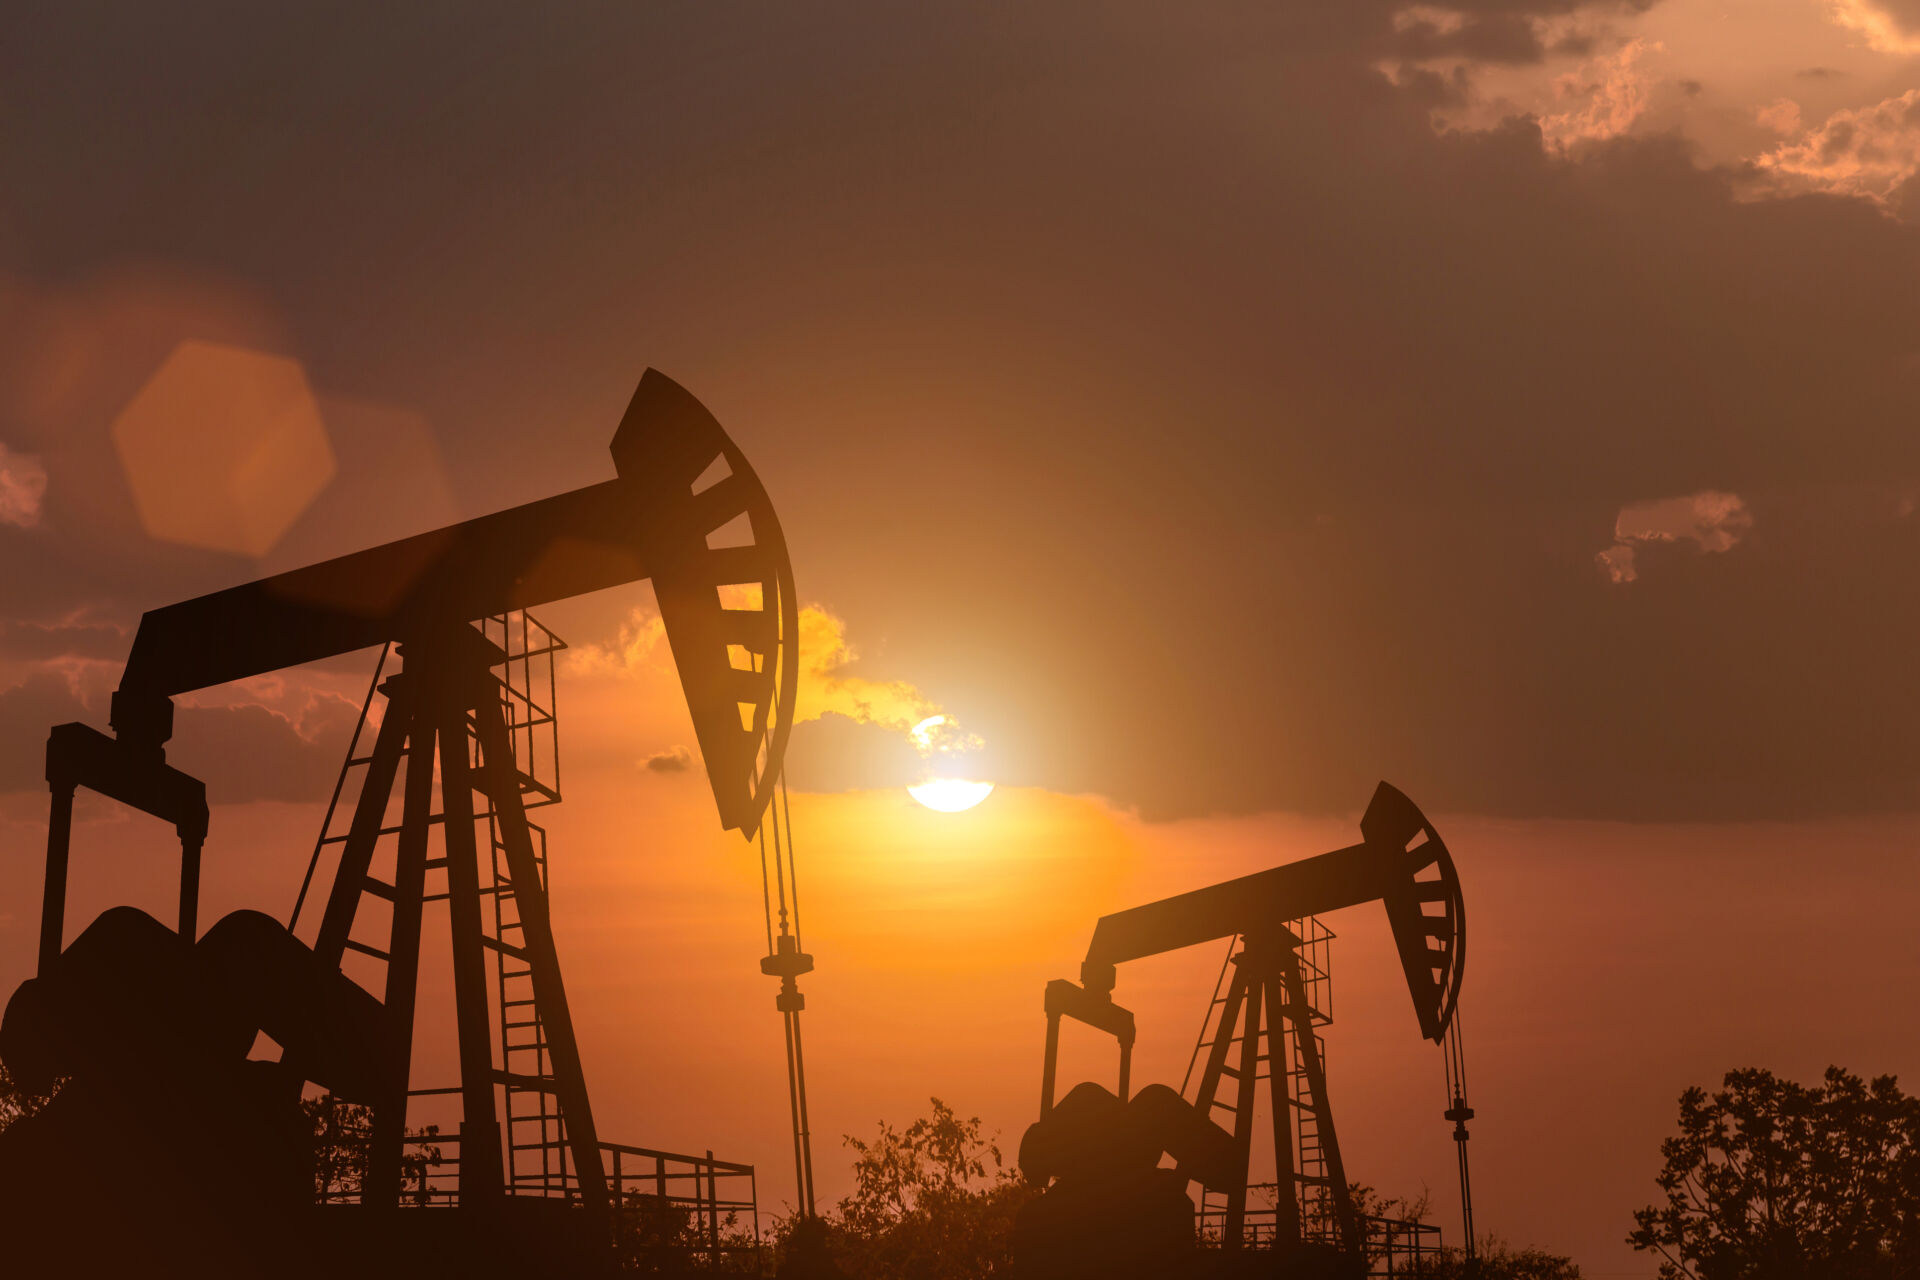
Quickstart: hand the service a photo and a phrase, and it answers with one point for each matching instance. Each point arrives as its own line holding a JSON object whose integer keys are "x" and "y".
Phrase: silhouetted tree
{"x": 1771, "y": 1180}
{"x": 933, "y": 1201}
{"x": 342, "y": 1139}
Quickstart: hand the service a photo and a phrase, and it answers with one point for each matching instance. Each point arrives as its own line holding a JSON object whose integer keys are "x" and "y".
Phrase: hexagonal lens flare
{"x": 223, "y": 448}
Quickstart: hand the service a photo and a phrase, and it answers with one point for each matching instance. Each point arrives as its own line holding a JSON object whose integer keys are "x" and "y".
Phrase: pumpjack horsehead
{"x": 164, "y": 1127}
{"x": 1109, "y": 1209}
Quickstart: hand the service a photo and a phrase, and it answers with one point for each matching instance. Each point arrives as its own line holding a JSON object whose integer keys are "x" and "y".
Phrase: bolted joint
{"x": 787, "y": 960}
{"x": 141, "y": 720}
{"x": 1459, "y": 1113}
{"x": 1098, "y": 977}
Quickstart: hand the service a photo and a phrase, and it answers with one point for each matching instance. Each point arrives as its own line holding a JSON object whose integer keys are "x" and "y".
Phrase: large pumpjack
{"x": 170, "y": 1150}
{"x": 1109, "y": 1208}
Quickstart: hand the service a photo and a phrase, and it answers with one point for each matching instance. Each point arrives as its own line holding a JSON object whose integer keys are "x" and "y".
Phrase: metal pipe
{"x": 53, "y": 903}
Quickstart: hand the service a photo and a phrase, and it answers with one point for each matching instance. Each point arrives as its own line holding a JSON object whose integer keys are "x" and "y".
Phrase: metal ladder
{"x": 536, "y": 1130}
{"x": 1315, "y": 1184}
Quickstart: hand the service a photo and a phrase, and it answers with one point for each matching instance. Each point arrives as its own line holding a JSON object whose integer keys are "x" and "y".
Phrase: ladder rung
{"x": 366, "y": 950}
{"x": 506, "y": 948}
{"x": 515, "y": 1080}
{"x": 515, "y": 1004}
{"x": 515, "y": 1026}
{"x": 378, "y": 888}
{"x": 383, "y": 831}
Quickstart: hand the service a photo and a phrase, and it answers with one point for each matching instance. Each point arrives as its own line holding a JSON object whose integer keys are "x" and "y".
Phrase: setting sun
{"x": 950, "y": 795}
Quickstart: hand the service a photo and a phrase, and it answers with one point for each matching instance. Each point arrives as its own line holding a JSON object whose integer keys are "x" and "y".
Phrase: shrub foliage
{"x": 1772, "y": 1180}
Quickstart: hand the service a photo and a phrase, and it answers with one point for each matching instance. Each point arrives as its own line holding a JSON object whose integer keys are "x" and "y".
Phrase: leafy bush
{"x": 933, "y": 1201}
{"x": 1772, "y": 1180}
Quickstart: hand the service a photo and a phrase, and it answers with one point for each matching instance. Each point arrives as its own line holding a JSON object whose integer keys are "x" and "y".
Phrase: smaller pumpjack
{"x": 1109, "y": 1209}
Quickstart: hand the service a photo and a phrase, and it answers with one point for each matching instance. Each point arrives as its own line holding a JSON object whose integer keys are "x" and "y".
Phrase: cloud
{"x": 1864, "y": 151}
{"x": 27, "y": 711}
{"x": 1617, "y": 561}
{"x": 45, "y": 641}
{"x": 243, "y": 751}
{"x": 1425, "y": 33}
{"x": 1889, "y": 26}
{"x": 826, "y": 685}
{"x": 23, "y": 483}
{"x": 873, "y": 732}
{"x": 1781, "y": 116}
{"x": 1601, "y": 100}
{"x": 1713, "y": 521}
{"x": 829, "y": 689}
{"x": 247, "y": 752}
{"x": 675, "y": 759}
{"x": 633, "y": 646}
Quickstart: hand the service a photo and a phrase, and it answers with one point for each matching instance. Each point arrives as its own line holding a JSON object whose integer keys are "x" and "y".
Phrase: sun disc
{"x": 950, "y": 795}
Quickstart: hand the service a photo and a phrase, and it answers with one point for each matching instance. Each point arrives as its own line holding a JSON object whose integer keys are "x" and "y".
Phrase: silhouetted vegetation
{"x": 342, "y": 1139}
{"x": 1772, "y": 1180}
{"x": 657, "y": 1237}
{"x": 1495, "y": 1260}
{"x": 15, "y": 1102}
{"x": 934, "y": 1201}
{"x": 1499, "y": 1260}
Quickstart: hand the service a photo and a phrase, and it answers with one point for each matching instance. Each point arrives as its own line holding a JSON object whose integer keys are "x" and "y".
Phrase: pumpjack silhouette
{"x": 170, "y": 1149}
{"x": 1110, "y": 1209}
